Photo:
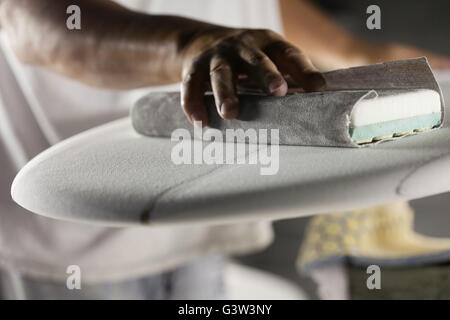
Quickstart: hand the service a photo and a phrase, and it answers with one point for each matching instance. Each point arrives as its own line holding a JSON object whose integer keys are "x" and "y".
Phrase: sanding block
{"x": 359, "y": 106}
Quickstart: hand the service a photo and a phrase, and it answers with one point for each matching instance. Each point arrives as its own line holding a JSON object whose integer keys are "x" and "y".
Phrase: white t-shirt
{"x": 39, "y": 108}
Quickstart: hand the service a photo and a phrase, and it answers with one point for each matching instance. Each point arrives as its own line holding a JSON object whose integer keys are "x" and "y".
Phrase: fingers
{"x": 262, "y": 56}
{"x": 192, "y": 95}
{"x": 296, "y": 64}
{"x": 262, "y": 70}
{"x": 223, "y": 86}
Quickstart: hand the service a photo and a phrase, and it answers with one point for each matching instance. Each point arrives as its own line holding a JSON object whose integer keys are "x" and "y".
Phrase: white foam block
{"x": 395, "y": 107}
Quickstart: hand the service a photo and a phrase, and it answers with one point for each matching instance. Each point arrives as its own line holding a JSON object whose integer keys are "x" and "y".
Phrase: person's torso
{"x": 39, "y": 108}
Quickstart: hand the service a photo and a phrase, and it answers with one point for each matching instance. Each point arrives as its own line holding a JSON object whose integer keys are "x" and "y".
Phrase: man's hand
{"x": 221, "y": 58}
{"x": 120, "y": 48}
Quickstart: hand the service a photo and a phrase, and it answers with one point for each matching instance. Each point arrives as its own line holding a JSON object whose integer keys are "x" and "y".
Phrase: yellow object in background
{"x": 381, "y": 235}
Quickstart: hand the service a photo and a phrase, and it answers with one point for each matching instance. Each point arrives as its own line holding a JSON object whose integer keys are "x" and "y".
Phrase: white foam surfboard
{"x": 113, "y": 176}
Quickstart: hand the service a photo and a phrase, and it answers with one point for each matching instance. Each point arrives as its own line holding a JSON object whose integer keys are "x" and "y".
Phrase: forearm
{"x": 116, "y": 47}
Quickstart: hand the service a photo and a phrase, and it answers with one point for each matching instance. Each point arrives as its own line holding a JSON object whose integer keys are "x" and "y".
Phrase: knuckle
{"x": 290, "y": 51}
{"x": 255, "y": 58}
{"x": 195, "y": 63}
{"x": 284, "y": 48}
{"x": 189, "y": 76}
{"x": 220, "y": 68}
{"x": 219, "y": 64}
{"x": 247, "y": 36}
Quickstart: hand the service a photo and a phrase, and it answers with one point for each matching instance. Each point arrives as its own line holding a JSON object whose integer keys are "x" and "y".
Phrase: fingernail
{"x": 196, "y": 120}
{"x": 278, "y": 87}
{"x": 229, "y": 109}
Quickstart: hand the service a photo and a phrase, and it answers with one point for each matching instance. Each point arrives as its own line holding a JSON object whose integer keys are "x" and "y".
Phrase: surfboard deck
{"x": 113, "y": 176}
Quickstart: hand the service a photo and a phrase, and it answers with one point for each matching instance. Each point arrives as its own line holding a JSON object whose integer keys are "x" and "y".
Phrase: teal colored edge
{"x": 395, "y": 126}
